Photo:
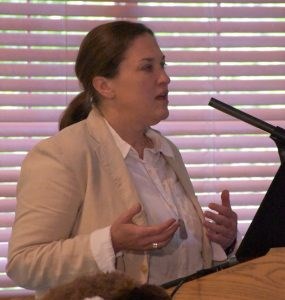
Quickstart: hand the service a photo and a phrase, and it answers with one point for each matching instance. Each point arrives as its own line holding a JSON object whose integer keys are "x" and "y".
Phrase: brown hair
{"x": 109, "y": 286}
{"x": 100, "y": 54}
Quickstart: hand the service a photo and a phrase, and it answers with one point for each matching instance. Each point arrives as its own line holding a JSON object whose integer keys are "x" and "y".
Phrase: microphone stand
{"x": 277, "y": 134}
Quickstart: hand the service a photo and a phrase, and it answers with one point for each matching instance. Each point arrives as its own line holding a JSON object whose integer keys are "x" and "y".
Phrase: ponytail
{"x": 77, "y": 110}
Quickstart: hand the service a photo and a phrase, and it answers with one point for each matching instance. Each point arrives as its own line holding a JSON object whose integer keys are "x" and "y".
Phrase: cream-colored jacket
{"x": 70, "y": 185}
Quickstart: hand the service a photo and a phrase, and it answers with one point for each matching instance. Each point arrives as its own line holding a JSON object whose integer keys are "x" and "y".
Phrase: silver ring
{"x": 154, "y": 245}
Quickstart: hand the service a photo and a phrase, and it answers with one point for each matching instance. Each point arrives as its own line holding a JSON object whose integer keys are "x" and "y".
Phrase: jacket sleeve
{"x": 42, "y": 251}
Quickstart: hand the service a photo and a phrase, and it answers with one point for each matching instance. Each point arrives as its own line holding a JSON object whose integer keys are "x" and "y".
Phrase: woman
{"x": 108, "y": 192}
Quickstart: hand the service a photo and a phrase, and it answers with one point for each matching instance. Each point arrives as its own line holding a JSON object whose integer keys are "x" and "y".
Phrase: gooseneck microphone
{"x": 241, "y": 115}
{"x": 276, "y": 133}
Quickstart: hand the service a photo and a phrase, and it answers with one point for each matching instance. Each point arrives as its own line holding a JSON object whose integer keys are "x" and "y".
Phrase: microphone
{"x": 277, "y": 133}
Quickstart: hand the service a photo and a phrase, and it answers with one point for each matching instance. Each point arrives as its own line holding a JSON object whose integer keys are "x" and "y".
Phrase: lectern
{"x": 262, "y": 278}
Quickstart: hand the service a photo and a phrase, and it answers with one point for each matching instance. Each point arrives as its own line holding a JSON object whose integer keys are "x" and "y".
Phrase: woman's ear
{"x": 103, "y": 86}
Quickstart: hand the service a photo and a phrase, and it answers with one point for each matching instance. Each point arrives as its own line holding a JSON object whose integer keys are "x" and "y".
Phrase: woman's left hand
{"x": 222, "y": 227}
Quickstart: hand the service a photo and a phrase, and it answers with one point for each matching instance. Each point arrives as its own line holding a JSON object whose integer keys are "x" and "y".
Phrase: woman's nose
{"x": 164, "y": 78}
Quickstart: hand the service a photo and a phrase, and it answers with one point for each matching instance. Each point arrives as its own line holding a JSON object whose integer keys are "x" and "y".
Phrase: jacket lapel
{"x": 115, "y": 167}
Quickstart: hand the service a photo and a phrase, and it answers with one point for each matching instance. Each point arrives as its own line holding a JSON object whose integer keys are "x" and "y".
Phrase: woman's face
{"x": 141, "y": 85}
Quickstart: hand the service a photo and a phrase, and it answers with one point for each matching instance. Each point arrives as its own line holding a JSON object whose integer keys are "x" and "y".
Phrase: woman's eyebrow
{"x": 150, "y": 59}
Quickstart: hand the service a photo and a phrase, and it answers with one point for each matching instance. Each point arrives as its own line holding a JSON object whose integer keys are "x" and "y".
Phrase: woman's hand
{"x": 126, "y": 235}
{"x": 222, "y": 228}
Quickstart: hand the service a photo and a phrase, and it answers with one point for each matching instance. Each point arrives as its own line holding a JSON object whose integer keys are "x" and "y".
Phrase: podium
{"x": 262, "y": 278}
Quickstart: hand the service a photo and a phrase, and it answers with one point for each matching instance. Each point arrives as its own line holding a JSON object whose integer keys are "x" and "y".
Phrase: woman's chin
{"x": 162, "y": 116}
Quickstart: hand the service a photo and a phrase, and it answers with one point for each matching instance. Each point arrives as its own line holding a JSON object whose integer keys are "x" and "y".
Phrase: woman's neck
{"x": 131, "y": 132}
{"x": 135, "y": 137}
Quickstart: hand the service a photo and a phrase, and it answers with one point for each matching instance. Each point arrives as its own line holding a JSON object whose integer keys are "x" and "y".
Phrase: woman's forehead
{"x": 144, "y": 47}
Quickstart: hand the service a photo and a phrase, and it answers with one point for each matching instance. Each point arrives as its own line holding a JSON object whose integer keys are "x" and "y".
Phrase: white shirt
{"x": 162, "y": 197}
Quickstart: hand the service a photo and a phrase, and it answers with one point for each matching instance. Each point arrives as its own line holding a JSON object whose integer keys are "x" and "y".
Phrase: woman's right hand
{"x": 126, "y": 235}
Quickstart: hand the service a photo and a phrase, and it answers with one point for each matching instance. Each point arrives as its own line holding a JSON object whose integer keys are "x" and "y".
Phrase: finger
{"x": 219, "y": 239}
{"x": 164, "y": 235}
{"x": 219, "y": 229}
{"x": 154, "y": 230}
{"x": 162, "y": 239}
{"x": 127, "y": 216}
{"x": 224, "y": 241}
{"x": 160, "y": 244}
{"x": 225, "y": 197}
{"x": 159, "y": 237}
{"x": 218, "y": 218}
{"x": 221, "y": 209}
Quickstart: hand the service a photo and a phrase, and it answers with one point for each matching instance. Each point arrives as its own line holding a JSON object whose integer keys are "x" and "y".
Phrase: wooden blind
{"x": 231, "y": 50}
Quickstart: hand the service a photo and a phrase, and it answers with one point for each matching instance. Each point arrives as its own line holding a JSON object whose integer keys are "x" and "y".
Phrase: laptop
{"x": 266, "y": 231}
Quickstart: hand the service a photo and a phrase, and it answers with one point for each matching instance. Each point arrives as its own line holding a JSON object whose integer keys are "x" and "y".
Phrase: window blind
{"x": 231, "y": 50}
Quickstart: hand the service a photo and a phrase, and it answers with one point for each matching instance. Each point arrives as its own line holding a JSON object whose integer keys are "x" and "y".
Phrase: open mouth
{"x": 162, "y": 96}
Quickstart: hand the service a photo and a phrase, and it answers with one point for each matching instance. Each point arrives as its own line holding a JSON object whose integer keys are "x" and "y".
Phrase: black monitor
{"x": 267, "y": 229}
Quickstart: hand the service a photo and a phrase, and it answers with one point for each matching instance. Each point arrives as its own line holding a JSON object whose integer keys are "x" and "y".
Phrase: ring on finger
{"x": 154, "y": 245}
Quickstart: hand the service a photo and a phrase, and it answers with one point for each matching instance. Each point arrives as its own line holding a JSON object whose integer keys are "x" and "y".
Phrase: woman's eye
{"x": 163, "y": 64}
{"x": 148, "y": 68}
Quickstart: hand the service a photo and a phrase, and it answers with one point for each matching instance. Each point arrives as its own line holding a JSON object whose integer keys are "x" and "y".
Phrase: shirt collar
{"x": 160, "y": 144}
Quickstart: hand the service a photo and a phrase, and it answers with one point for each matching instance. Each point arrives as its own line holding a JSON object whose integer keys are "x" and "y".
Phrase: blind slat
{"x": 6, "y": 220}
{"x": 61, "y": 55}
{"x": 166, "y": 127}
{"x": 19, "y": 129}
{"x": 183, "y": 142}
{"x": 136, "y": 11}
{"x": 232, "y": 171}
{"x": 221, "y": 142}
{"x": 5, "y": 234}
{"x": 17, "y": 144}
{"x": 208, "y": 115}
{"x": 243, "y": 98}
{"x": 233, "y": 186}
{"x": 239, "y": 194}
{"x": 225, "y": 127}
{"x": 8, "y": 205}
{"x": 233, "y": 70}
{"x": 11, "y": 160}
{"x": 158, "y": 26}
{"x": 188, "y": 99}
{"x": 238, "y": 199}
{"x": 62, "y": 85}
{"x": 60, "y": 40}
{"x": 229, "y": 157}
{"x": 175, "y": 70}
{"x": 227, "y": 85}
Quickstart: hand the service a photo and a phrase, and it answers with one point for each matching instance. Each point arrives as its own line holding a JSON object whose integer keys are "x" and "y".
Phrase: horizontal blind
{"x": 233, "y": 51}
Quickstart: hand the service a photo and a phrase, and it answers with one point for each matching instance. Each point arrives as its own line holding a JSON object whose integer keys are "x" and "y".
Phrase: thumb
{"x": 225, "y": 196}
{"x": 126, "y": 217}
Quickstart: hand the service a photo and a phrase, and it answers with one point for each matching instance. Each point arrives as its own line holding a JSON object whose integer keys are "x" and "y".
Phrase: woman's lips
{"x": 162, "y": 96}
